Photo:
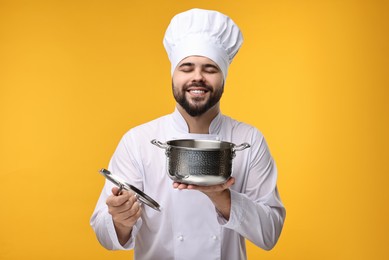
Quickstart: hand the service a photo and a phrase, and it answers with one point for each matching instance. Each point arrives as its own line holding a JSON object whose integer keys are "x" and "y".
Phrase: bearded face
{"x": 197, "y": 98}
{"x": 198, "y": 85}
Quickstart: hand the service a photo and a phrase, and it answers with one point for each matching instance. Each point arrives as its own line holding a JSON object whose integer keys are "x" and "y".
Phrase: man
{"x": 196, "y": 222}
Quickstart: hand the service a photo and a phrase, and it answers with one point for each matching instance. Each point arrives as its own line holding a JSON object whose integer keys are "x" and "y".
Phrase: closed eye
{"x": 210, "y": 68}
{"x": 186, "y": 67}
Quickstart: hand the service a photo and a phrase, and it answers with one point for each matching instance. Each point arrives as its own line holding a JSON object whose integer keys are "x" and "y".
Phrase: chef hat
{"x": 203, "y": 33}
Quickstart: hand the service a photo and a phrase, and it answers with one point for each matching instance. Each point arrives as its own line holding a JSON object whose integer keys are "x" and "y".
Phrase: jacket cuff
{"x": 236, "y": 213}
{"x": 114, "y": 238}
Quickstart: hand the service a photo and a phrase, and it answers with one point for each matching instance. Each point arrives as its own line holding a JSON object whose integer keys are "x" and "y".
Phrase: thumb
{"x": 115, "y": 191}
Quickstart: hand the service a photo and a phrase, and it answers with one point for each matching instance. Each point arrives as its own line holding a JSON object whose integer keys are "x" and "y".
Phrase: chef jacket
{"x": 189, "y": 226}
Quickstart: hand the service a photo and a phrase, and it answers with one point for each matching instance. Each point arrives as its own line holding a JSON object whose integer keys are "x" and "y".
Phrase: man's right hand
{"x": 125, "y": 210}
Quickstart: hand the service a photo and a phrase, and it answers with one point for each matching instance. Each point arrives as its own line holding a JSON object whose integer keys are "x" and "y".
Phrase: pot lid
{"x": 143, "y": 197}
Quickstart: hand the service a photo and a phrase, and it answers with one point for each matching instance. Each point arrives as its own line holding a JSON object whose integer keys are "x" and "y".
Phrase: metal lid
{"x": 144, "y": 198}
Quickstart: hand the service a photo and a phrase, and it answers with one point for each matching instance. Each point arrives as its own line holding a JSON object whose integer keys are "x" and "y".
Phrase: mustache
{"x": 198, "y": 84}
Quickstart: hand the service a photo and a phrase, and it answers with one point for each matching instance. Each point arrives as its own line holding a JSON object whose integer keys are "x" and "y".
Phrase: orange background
{"x": 311, "y": 75}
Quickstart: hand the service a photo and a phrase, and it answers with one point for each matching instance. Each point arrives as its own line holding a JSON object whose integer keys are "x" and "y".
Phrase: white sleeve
{"x": 102, "y": 224}
{"x": 124, "y": 166}
{"x": 257, "y": 212}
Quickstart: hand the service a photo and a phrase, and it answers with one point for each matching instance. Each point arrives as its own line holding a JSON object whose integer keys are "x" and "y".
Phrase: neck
{"x": 199, "y": 124}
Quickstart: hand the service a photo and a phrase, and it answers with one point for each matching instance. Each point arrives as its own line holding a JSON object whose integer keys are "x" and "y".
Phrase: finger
{"x": 114, "y": 211}
{"x": 180, "y": 186}
{"x": 213, "y": 188}
{"x": 127, "y": 218}
{"x": 132, "y": 212}
{"x": 116, "y": 201}
{"x": 122, "y": 218}
{"x": 135, "y": 209}
{"x": 116, "y": 191}
{"x": 228, "y": 183}
{"x": 129, "y": 207}
{"x": 132, "y": 201}
{"x": 133, "y": 198}
{"x": 138, "y": 213}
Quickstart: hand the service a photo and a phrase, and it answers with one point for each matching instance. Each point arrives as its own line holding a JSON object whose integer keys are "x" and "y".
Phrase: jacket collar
{"x": 181, "y": 126}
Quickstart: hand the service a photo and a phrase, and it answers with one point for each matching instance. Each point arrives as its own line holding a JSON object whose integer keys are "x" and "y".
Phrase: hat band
{"x": 194, "y": 47}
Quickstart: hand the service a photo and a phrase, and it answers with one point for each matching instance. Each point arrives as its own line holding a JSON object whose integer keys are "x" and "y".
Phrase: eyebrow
{"x": 186, "y": 64}
{"x": 208, "y": 65}
{"x": 211, "y": 66}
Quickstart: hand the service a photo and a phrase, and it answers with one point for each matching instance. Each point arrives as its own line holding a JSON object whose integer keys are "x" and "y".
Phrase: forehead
{"x": 198, "y": 60}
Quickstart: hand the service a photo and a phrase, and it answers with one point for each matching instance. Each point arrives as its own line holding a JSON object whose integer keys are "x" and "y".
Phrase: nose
{"x": 198, "y": 76}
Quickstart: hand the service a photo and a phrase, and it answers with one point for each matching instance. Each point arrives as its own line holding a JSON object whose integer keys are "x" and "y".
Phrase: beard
{"x": 197, "y": 107}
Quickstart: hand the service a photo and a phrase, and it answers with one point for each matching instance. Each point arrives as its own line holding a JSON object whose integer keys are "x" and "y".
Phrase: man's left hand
{"x": 219, "y": 194}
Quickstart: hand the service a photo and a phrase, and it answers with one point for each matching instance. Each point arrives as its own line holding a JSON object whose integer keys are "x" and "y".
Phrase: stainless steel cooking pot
{"x": 199, "y": 162}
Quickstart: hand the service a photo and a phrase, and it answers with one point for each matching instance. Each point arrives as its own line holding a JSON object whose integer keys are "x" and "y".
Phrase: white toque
{"x": 202, "y": 33}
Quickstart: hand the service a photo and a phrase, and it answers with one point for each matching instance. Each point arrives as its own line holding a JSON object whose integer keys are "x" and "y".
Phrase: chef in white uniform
{"x": 195, "y": 222}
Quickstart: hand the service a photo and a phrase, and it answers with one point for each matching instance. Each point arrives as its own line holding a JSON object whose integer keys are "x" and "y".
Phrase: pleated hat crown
{"x": 202, "y": 33}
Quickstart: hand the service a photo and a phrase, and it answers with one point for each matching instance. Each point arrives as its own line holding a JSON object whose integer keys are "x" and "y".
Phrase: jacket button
{"x": 214, "y": 237}
{"x": 180, "y": 238}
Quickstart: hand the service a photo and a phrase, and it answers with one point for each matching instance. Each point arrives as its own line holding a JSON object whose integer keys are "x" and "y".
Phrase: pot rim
{"x": 200, "y": 144}
{"x": 220, "y": 145}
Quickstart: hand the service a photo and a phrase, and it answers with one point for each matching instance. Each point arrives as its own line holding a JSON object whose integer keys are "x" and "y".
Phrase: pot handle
{"x": 240, "y": 147}
{"x": 159, "y": 144}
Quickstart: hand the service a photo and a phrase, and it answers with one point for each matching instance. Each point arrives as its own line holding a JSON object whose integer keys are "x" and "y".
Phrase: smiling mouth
{"x": 197, "y": 91}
